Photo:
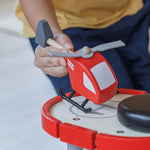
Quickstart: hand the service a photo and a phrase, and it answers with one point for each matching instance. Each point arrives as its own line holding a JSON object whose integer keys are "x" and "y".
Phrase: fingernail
{"x": 68, "y": 45}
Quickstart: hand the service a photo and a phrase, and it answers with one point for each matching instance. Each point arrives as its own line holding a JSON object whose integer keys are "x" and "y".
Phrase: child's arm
{"x": 36, "y": 10}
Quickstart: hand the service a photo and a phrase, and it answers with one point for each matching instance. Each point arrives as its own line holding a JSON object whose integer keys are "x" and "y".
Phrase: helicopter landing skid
{"x": 81, "y": 107}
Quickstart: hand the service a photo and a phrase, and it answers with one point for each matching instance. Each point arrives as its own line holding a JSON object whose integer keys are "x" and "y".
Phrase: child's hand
{"x": 54, "y": 66}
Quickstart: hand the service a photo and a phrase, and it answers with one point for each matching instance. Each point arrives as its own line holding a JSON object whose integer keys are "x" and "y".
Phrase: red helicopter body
{"x": 93, "y": 78}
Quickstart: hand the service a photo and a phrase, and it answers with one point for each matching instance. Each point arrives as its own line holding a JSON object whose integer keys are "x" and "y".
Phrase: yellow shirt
{"x": 87, "y": 13}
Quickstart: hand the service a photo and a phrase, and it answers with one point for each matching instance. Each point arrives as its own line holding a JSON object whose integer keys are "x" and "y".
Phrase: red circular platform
{"x": 97, "y": 129}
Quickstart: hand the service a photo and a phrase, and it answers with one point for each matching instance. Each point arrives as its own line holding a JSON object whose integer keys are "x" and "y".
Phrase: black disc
{"x": 134, "y": 112}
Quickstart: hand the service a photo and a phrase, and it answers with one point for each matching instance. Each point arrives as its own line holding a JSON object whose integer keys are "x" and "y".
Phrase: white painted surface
{"x": 87, "y": 83}
{"x": 103, "y": 118}
{"x": 103, "y": 75}
{"x": 70, "y": 64}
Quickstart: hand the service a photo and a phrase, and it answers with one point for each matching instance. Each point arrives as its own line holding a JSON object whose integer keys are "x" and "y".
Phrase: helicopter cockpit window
{"x": 103, "y": 75}
{"x": 87, "y": 83}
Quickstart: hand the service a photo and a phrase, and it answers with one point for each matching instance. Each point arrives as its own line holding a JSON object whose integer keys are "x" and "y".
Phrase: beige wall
{"x": 7, "y": 7}
{"x": 8, "y": 19}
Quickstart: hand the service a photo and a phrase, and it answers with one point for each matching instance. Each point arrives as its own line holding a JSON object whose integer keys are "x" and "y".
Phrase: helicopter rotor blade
{"x": 63, "y": 54}
{"x": 100, "y": 48}
{"x": 108, "y": 46}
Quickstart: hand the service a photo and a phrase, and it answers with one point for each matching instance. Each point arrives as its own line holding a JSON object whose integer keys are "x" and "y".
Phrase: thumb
{"x": 64, "y": 40}
{"x": 68, "y": 45}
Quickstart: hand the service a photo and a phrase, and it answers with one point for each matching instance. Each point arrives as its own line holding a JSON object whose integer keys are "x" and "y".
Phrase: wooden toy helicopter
{"x": 90, "y": 73}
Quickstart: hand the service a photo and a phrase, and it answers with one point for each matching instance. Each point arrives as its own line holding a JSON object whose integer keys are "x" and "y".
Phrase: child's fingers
{"x": 50, "y": 62}
{"x": 42, "y": 52}
{"x": 56, "y": 71}
{"x": 64, "y": 40}
{"x": 52, "y": 66}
